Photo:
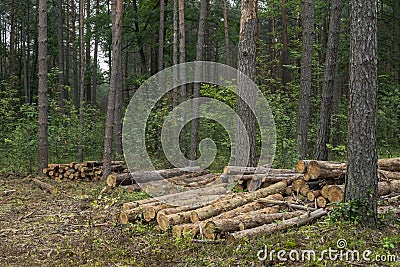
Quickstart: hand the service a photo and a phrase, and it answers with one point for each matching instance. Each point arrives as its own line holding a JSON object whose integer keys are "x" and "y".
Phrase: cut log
{"x": 301, "y": 166}
{"x": 276, "y": 227}
{"x": 297, "y": 184}
{"x": 321, "y": 202}
{"x": 394, "y": 186}
{"x": 135, "y": 204}
{"x": 390, "y": 164}
{"x": 44, "y": 186}
{"x": 334, "y": 193}
{"x": 326, "y": 169}
{"x": 245, "y": 221}
{"x": 150, "y": 212}
{"x": 312, "y": 195}
{"x": 239, "y": 200}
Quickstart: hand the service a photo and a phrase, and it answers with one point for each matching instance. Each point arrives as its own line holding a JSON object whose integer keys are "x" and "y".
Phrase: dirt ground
{"x": 78, "y": 227}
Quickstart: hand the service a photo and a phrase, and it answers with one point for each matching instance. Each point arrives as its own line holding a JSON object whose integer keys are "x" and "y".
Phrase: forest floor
{"x": 77, "y": 227}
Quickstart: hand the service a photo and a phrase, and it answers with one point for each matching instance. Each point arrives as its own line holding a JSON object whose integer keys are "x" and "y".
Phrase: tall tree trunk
{"x": 285, "y": 49}
{"x": 226, "y": 31}
{"x": 194, "y": 135}
{"x": 303, "y": 115}
{"x": 25, "y": 63}
{"x": 67, "y": 52}
{"x": 247, "y": 65}
{"x": 43, "y": 99}
{"x": 88, "y": 56}
{"x": 328, "y": 86}
{"x": 116, "y": 17}
{"x": 12, "y": 39}
{"x": 175, "y": 93}
{"x": 82, "y": 79}
{"x": 95, "y": 59}
{"x": 361, "y": 175}
{"x": 74, "y": 56}
{"x": 182, "y": 53}
{"x": 60, "y": 53}
{"x": 160, "y": 64}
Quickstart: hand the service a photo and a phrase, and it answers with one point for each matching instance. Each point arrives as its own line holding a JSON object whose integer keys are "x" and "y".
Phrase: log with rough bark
{"x": 390, "y": 175}
{"x": 276, "y": 227}
{"x": 390, "y": 164}
{"x": 326, "y": 169}
{"x": 218, "y": 207}
{"x": 245, "y": 221}
{"x": 135, "y": 204}
{"x": 44, "y": 186}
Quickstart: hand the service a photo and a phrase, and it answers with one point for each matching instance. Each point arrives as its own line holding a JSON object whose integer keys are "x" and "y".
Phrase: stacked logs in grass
{"x": 323, "y": 181}
{"x": 231, "y": 215}
{"x": 88, "y": 170}
{"x": 275, "y": 201}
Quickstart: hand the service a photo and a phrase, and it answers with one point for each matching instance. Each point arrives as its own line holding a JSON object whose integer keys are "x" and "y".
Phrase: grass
{"x": 78, "y": 227}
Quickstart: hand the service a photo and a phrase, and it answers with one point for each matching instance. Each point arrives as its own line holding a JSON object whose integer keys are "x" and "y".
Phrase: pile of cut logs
{"x": 88, "y": 170}
{"x": 276, "y": 199}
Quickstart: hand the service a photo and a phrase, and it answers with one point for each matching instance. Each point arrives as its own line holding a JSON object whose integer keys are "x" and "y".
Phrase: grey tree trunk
{"x": 286, "y": 77}
{"x": 82, "y": 79}
{"x": 175, "y": 93}
{"x": 43, "y": 99}
{"x": 88, "y": 84}
{"x": 303, "y": 115}
{"x": 361, "y": 175}
{"x": 226, "y": 31}
{"x": 116, "y": 17}
{"x": 95, "y": 60}
{"x": 160, "y": 64}
{"x": 328, "y": 86}
{"x": 247, "y": 65}
{"x": 194, "y": 135}
{"x": 74, "y": 56}
{"x": 60, "y": 53}
{"x": 182, "y": 70}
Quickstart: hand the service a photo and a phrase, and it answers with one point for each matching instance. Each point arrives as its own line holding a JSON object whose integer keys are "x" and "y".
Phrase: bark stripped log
{"x": 275, "y": 227}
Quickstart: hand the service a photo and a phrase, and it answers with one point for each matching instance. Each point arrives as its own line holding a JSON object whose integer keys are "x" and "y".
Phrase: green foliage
{"x": 352, "y": 211}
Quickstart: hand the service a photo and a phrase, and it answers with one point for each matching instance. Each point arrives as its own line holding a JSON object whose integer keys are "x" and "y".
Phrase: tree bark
{"x": 43, "y": 98}
{"x": 95, "y": 59}
{"x": 238, "y": 200}
{"x": 182, "y": 70}
{"x": 82, "y": 79}
{"x": 116, "y": 14}
{"x": 245, "y": 221}
{"x": 226, "y": 32}
{"x": 361, "y": 176}
{"x": 246, "y": 101}
{"x": 74, "y": 56}
{"x": 194, "y": 136}
{"x": 276, "y": 227}
{"x": 303, "y": 114}
{"x": 328, "y": 86}
{"x": 285, "y": 49}
{"x": 60, "y": 40}
{"x": 161, "y": 33}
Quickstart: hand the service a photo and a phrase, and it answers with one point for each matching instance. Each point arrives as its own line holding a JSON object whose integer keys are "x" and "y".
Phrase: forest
{"x": 69, "y": 69}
